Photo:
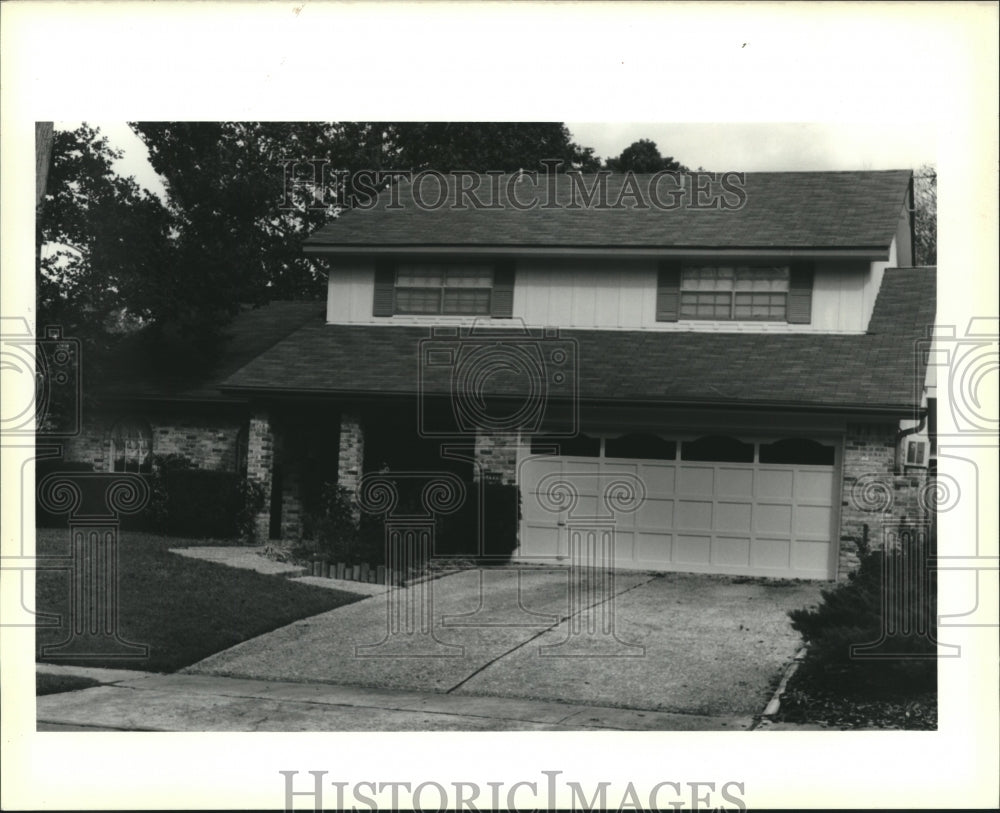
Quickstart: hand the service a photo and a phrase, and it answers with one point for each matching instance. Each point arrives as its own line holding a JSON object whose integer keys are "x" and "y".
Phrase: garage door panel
{"x": 812, "y": 521}
{"x": 624, "y": 545}
{"x": 774, "y": 484}
{"x": 540, "y": 540}
{"x": 659, "y": 480}
{"x": 731, "y": 551}
{"x": 587, "y": 505}
{"x": 771, "y": 554}
{"x": 656, "y": 547}
{"x": 813, "y": 485}
{"x": 692, "y": 550}
{"x": 534, "y": 510}
{"x": 656, "y": 514}
{"x": 732, "y": 482}
{"x": 694, "y": 515}
{"x": 773, "y": 519}
{"x": 733, "y": 516}
{"x": 811, "y": 556}
{"x": 696, "y": 481}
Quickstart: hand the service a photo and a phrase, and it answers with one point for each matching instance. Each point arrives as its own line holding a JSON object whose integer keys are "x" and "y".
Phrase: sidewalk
{"x": 132, "y": 701}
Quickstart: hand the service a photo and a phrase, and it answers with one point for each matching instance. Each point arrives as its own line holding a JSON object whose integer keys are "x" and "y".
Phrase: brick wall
{"x": 209, "y": 441}
{"x": 496, "y": 455}
{"x": 873, "y": 496}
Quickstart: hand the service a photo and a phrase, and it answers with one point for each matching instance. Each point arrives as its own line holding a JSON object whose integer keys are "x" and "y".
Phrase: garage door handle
{"x": 561, "y": 522}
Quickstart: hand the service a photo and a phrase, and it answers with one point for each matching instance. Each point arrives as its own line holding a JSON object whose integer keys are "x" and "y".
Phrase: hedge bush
{"x": 336, "y": 535}
{"x": 861, "y": 610}
{"x": 459, "y": 533}
{"x": 199, "y": 503}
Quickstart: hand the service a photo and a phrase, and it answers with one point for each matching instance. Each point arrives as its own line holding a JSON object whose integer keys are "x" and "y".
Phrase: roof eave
{"x": 642, "y": 401}
{"x": 870, "y": 253}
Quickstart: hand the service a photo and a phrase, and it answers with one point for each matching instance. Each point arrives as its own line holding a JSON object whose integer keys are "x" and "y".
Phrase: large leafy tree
{"x": 103, "y": 243}
{"x": 643, "y": 156}
{"x": 230, "y": 232}
{"x": 925, "y": 215}
{"x": 485, "y": 146}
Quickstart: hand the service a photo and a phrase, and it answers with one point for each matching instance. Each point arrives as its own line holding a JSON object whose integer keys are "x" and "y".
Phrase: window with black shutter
{"x": 444, "y": 288}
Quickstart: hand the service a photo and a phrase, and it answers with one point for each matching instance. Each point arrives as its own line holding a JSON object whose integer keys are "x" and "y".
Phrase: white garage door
{"x": 762, "y": 509}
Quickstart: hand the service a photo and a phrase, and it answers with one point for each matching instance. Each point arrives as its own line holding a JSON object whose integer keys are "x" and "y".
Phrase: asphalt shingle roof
{"x": 787, "y": 210}
{"x": 133, "y": 371}
{"x": 876, "y": 370}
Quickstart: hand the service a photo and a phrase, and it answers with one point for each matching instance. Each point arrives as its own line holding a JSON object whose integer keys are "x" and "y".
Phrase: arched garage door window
{"x": 132, "y": 446}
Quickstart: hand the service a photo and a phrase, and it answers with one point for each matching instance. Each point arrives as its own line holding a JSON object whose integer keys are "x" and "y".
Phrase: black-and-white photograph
{"x": 482, "y": 425}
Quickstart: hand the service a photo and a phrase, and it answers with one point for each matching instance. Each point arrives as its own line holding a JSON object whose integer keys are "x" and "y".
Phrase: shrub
{"x": 459, "y": 533}
{"x": 335, "y": 530}
{"x": 894, "y": 591}
{"x": 338, "y": 536}
{"x": 193, "y": 502}
{"x": 251, "y": 502}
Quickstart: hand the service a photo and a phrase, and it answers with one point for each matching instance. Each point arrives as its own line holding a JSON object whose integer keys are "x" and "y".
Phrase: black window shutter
{"x": 385, "y": 285}
{"x": 800, "y": 286}
{"x": 502, "y": 304}
{"x": 668, "y": 292}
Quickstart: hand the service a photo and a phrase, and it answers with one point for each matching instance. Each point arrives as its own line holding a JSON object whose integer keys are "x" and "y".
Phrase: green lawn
{"x": 55, "y": 684}
{"x": 184, "y": 609}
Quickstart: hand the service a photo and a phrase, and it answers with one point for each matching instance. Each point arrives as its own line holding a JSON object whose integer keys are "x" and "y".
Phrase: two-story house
{"x": 744, "y": 351}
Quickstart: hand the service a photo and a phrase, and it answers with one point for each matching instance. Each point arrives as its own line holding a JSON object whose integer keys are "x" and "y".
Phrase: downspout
{"x": 900, "y": 435}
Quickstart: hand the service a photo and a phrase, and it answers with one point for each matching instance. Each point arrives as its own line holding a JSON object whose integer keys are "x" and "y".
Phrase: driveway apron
{"x": 671, "y": 642}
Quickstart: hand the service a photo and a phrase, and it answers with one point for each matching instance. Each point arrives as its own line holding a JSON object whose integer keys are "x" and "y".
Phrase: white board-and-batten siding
{"x": 602, "y": 294}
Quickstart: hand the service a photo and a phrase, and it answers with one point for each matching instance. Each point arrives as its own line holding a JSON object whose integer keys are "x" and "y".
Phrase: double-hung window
{"x": 734, "y": 293}
{"x": 445, "y": 289}
{"x": 728, "y": 292}
{"x": 466, "y": 287}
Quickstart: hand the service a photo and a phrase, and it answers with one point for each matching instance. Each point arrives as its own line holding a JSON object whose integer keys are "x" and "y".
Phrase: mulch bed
{"x": 806, "y": 701}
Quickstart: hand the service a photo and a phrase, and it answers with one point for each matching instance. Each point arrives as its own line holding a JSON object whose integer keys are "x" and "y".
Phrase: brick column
{"x": 260, "y": 464}
{"x": 873, "y": 495}
{"x": 351, "y": 457}
{"x": 496, "y": 455}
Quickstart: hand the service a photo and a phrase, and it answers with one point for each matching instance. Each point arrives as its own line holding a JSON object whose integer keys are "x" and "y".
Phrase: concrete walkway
{"x": 206, "y": 703}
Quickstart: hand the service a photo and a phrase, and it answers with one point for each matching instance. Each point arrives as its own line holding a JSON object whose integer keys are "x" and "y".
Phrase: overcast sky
{"x": 742, "y": 147}
{"x": 784, "y": 146}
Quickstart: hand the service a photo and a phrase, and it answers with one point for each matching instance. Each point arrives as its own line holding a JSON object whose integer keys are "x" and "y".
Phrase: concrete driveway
{"x": 687, "y": 644}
